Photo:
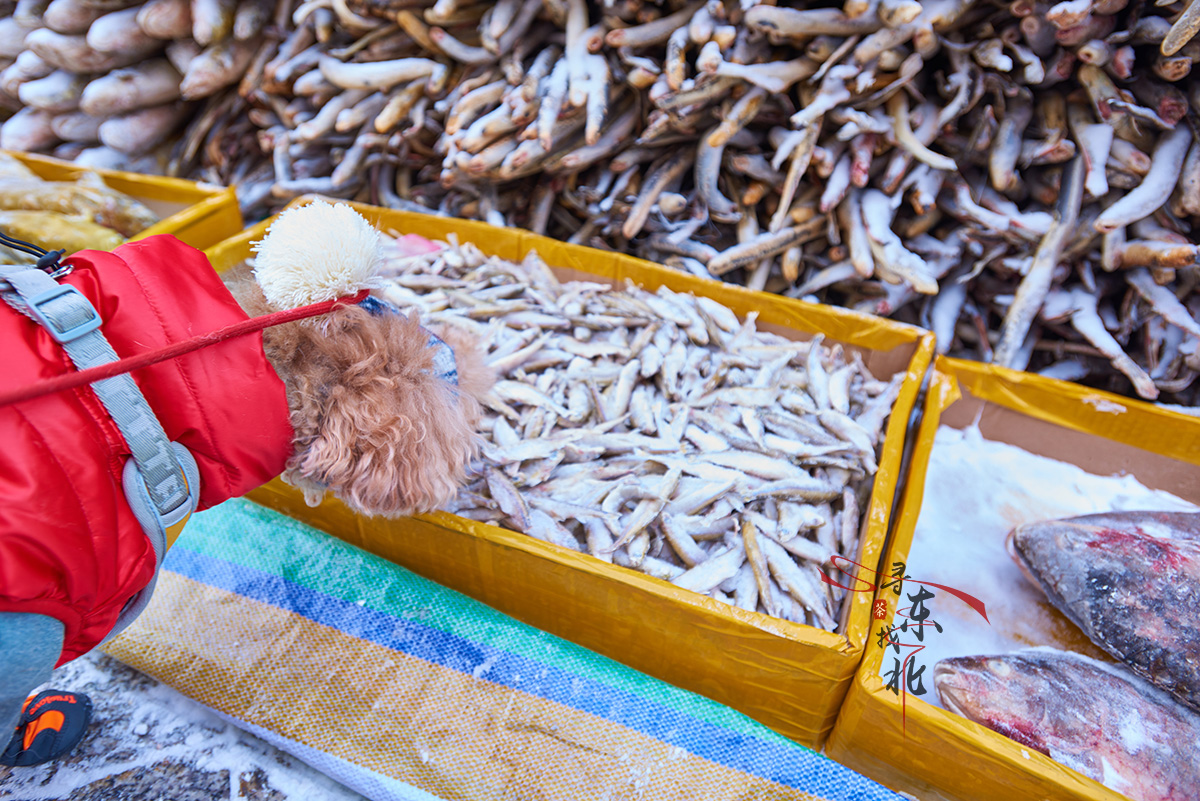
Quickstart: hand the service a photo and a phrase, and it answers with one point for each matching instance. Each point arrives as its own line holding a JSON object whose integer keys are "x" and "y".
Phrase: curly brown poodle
{"x": 374, "y": 423}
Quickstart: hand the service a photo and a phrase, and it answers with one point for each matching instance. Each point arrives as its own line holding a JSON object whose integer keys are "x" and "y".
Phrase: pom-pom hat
{"x": 317, "y": 252}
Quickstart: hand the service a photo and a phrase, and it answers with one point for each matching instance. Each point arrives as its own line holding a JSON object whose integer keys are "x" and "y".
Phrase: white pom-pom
{"x": 316, "y": 252}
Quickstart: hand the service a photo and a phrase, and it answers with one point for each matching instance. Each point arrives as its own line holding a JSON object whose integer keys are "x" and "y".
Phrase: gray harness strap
{"x": 71, "y": 319}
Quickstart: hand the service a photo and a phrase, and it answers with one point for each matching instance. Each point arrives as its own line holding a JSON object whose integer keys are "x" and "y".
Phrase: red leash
{"x": 130, "y": 363}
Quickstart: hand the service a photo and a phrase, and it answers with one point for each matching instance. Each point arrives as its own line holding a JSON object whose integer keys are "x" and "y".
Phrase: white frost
{"x": 1102, "y": 404}
{"x": 1110, "y": 777}
{"x": 976, "y": 491}
{"x": 1133, "y": 734}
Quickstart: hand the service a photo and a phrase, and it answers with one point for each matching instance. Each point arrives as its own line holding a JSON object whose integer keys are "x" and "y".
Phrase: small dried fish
{"x": 673, "y": 470}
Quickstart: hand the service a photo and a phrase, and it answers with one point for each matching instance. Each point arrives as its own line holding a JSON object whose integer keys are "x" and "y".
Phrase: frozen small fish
{"x": 1098, "y": 719}
{"x": 686, "y": 470}
{"x": 1129, "y": 580}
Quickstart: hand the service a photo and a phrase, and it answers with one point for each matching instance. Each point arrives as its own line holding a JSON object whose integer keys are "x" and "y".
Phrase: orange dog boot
{"x": 52, "y": 723}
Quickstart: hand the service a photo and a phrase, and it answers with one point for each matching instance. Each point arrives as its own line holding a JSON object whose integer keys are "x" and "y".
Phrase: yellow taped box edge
{"x": 201, "y": 215}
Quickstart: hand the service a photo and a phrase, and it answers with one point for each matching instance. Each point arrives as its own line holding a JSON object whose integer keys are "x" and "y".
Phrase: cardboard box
{"x": 199, "y": 214}
{"x": 790, "y": 677}
{"x": 935, "y": 754}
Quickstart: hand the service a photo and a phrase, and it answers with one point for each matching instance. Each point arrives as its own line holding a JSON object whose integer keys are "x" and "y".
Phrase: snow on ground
{"x": 148, "y": 742}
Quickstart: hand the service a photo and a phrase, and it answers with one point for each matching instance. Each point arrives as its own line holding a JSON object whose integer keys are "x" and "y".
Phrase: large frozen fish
{"x": 1129, "y": 580}
{"x": 1097, "y": 719}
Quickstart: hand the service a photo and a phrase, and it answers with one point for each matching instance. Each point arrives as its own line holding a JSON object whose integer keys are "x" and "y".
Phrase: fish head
{"x": 1057, "y": 557}
{"x": 1074, "y": 562}
{"x": 1060, "y": 555}
{"x": 1127, "y": 581}
{"x": 1007, "y": 693}
{"x": 1017, "y": 554}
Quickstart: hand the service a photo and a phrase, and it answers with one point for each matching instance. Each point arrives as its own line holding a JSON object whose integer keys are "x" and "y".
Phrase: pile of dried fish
{"x": 658, "y": 431}
{"x": 903, "y": 158}
{"x": 106, "y": 82}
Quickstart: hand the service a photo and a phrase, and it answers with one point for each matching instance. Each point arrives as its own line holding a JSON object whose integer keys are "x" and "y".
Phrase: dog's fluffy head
{"x": 373, "y": 424}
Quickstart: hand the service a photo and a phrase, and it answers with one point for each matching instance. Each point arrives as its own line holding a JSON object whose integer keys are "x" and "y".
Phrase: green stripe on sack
{"x": 253, "y": 536}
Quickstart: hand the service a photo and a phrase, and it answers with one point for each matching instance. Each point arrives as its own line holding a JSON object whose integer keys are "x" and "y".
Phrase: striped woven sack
{"x": 403, "y": 689}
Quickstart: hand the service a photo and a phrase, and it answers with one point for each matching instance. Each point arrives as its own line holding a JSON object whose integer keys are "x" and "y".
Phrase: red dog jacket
{"x": 70, "y": 546}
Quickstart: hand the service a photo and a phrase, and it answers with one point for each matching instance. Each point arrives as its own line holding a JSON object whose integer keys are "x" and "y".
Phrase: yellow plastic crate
{"x": 201, "y": 215}
{"x": 935, "y": 754}
{"x": 790, "y": 677}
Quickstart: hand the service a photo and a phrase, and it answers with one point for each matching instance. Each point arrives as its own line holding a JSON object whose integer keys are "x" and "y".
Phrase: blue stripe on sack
{"x": 792, "y": 766}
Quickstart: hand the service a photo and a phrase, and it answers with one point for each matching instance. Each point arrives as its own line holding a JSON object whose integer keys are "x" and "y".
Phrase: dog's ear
{"x": 375, "y": 425}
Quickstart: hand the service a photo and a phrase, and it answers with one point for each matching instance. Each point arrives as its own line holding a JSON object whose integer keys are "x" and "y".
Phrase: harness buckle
{"x": 64, "y": 312}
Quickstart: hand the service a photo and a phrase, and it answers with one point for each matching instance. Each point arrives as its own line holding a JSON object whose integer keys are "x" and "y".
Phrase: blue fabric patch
{"x": 778, "y": 762}
{"x": 444, "y": 366}
{"x": 377, "y": 307}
